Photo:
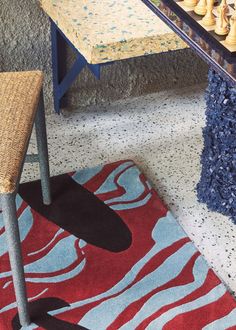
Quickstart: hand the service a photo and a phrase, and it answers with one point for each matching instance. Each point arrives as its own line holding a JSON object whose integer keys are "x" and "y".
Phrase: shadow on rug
{"x": 107, "y": 254}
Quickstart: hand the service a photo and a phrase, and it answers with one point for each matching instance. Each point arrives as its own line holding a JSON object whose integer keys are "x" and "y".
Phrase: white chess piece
{"x": 231, "y": 38}
{"x": 190, "y": 3}
{"x": 209, "y": 18}
{"x": 201, "y": 8}
{"x": 222, "y": 22}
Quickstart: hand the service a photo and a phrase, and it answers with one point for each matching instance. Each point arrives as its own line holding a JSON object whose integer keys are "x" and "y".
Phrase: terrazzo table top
{"x": 109, "y": 30}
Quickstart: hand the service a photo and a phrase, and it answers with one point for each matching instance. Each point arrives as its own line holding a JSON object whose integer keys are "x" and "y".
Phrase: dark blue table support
{"x": 62, "y": 80}
{"x": 217, "y": 186}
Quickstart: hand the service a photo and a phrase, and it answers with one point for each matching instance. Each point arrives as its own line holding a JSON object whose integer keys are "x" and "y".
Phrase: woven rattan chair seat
{"x": 19, "y": 96}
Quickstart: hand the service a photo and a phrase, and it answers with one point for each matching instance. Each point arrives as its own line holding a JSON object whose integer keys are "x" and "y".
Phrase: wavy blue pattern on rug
{"x": 130, "y": 181}
{"x": 59, "y": 278}
{"x": 160, "y": 242}
{"x": 212, "y": 296}
{"x": 53, "y": 261}
{"x": 110, "y": 184}
{"x": 223, "y": 323}
{"x": 163, "y": 274}
{"x": 170, "y": 295}
{"x": 87, "y": 174}
{"x": 25, "y": 222}
{"x": 129, "y": 206}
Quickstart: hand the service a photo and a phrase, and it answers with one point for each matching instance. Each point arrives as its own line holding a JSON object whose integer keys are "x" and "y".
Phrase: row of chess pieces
{"x": 217, "y": 17}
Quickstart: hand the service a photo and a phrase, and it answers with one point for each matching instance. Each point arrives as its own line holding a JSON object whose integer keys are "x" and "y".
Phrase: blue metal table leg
{"x": 58, "y": 63}
{"x": 217, "y": 186}
{"x": 62, "y": 80}
{"x": 55, "y": 66}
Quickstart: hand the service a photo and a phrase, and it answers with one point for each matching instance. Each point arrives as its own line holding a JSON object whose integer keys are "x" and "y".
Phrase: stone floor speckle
{"x": 162, "y": 134}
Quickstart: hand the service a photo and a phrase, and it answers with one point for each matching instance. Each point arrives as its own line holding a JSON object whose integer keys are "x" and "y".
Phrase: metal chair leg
{"x": 14, "y": 248}
{"x": 41, "y": 136}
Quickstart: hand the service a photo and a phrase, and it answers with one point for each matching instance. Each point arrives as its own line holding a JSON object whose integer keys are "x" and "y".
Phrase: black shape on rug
{"x": 39, "y": 315}
{"x": 80, "y": 212}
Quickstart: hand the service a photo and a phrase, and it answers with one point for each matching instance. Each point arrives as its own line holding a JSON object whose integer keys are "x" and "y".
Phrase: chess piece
{"x": 209, "y": 18}
{"x": 201, "y": 8}
{"x": 223, "y": 3}
{"x": 231, "y": 38}
{"x": 190, "y": 3}
{"x": 222, "y": 22}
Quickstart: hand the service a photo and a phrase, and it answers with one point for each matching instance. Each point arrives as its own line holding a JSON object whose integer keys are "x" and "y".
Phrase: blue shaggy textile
{"x": 217, "y": 186}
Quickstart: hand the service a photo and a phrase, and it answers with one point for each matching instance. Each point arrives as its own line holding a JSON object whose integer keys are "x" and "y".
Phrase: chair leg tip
{"x": 47, "y": 202}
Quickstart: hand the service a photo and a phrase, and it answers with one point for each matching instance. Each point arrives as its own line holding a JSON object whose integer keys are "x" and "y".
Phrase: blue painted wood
{"x": 55, "y": 73}
{"x": 95, "y": 69}
{"x": 75, "y": 70}
{"x": 62, "y": 80}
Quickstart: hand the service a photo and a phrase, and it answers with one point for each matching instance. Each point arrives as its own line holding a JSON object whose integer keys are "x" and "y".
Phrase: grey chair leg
{"x": 14, "y": 248}
{"x": 41, "y": 136}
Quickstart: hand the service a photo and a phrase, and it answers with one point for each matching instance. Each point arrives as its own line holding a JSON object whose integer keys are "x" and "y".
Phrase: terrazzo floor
{"x": 162, "y": 134}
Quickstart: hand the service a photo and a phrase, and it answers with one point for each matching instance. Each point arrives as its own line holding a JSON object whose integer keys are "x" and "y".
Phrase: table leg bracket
{"x": 62, "y": 80}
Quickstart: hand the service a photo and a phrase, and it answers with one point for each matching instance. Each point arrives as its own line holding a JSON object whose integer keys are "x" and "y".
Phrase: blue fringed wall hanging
{"x": 217, "y": 186}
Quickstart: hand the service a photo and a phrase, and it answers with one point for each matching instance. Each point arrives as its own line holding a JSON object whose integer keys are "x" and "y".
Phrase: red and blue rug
{"x": 107, "y": 254}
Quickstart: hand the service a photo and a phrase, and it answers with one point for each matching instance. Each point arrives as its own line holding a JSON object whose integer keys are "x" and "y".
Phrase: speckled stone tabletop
{"x": 108, "y": 30}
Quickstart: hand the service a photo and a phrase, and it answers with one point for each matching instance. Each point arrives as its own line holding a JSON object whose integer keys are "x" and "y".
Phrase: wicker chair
{"x": 21, "y": 105}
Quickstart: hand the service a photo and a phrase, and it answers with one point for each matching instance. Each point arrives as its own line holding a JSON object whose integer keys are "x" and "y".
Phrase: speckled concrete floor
{"x": 162, "y": 134}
